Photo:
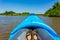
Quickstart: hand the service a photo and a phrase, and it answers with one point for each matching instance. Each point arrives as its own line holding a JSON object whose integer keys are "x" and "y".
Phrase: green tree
{"x": 54, "y": 11}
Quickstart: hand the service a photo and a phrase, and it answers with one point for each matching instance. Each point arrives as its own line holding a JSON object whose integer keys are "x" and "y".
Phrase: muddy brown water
{"x": 7, "y": 24}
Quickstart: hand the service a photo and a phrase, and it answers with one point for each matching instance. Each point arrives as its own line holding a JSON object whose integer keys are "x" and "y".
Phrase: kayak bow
{"x": 33, "y": 21}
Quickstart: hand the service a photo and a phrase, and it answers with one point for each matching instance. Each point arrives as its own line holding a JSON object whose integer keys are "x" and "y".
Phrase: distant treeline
{"x": 11, "y": 13}
{"x": 52, "y": 12}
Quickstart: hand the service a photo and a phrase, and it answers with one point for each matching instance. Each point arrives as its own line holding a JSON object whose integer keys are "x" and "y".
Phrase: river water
{"x": 7, "y": 24}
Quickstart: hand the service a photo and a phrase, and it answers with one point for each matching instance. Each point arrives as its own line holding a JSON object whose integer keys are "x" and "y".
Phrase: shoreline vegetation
{"x": 11, "y": 13}
{"x": 52, "y": 12}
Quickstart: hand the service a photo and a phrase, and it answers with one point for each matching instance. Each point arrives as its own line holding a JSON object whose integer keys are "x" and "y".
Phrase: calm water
{"x": 7, "y": 23}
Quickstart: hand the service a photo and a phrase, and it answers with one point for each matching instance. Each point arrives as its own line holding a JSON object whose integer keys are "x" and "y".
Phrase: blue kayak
{"x": 33, "y": 22}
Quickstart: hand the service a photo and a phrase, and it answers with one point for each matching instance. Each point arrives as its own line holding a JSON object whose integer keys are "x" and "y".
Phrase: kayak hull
{"x": 33, "y": 22}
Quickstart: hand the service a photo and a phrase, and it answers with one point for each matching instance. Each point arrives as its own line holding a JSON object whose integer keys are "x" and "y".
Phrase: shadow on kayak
{"x": 32, "y": 22}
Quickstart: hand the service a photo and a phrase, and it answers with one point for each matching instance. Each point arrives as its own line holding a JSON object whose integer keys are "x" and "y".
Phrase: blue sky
{"x": 32, "y": 6}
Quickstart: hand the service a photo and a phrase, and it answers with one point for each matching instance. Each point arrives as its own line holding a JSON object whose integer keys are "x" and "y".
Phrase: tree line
{"x": 54, "y": 11}
{"x": 11, "y": 13}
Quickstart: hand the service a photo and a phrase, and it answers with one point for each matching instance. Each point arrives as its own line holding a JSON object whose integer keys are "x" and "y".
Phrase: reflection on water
{"x": 7, "y": 23}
